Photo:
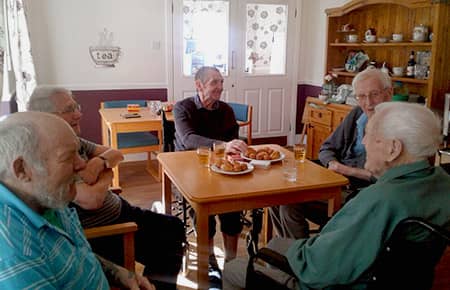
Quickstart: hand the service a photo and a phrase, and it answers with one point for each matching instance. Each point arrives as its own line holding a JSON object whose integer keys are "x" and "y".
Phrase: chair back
{"x": 240, "y": 111}
{"x": 122, "y": 103}
{"x": 406, "y": 261}
{"x": 243, "y": 114}
{"x": 168, "y": 132}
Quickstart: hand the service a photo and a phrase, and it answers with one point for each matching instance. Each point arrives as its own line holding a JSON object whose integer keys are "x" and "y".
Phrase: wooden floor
{"x": 140, "y": 189}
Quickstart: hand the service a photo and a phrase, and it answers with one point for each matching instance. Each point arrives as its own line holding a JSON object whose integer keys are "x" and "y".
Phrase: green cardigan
{"x": 351, "y": 240}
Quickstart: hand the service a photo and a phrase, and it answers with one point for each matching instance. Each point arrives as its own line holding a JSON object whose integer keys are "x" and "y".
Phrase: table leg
{"x": 167, "y": 194}
{"x": 114, "y": 144}
{"x": 202, "y": 248}
{"x": 334, "y": 204}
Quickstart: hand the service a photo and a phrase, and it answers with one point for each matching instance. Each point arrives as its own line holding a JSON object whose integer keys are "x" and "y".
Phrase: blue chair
{"x": 243, "y": 114}
{"x": 135, "y": 142}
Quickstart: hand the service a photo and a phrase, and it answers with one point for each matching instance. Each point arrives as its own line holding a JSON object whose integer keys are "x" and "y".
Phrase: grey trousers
{"x": 290, "y": 222}
{"x": 235, "y": 271}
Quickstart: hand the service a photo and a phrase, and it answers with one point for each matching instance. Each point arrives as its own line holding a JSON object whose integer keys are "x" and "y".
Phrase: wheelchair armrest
{"x": 275, "y": 259}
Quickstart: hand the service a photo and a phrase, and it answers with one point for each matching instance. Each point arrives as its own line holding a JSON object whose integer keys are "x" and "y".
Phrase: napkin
{"x": 261, "y": 163}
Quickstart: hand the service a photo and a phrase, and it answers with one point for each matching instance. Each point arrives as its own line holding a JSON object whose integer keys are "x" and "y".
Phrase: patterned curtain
{"x": 18, "y": 51}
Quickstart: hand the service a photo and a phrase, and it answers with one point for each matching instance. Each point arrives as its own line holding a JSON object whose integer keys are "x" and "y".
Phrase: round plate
{"x": 218, "y": 170}
{"x": 274, "y": 160}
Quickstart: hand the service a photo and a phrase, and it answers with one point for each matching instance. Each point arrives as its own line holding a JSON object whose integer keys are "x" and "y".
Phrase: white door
{"x": 250, "y": 42}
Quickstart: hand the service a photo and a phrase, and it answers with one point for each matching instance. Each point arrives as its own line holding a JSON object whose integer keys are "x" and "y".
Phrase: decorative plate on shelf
{"x": 218, "y": 170}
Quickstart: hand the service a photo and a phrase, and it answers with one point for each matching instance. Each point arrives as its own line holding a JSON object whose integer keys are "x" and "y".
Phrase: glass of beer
{"x": 300, "y": 152}
{"x": 203, "y": 153}
{"x": 219, "y": 150}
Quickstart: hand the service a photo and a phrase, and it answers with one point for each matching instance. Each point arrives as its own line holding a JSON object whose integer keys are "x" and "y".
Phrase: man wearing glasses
{"x": 342, "y": 152}
{"x": 159, "y": 239}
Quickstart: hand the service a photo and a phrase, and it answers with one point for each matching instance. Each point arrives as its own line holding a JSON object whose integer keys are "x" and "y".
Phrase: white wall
{"x": 312, "y": 40}
{"x": 63, "y": 30}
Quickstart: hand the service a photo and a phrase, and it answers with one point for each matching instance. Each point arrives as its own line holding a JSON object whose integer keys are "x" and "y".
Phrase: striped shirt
{"x": 34, "y": 254}
{"x": 109, "y": 212}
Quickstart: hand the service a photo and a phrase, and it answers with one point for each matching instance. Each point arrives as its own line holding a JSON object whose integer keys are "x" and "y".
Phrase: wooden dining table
{"x": 212, "y": 193}
{"x": 113, "y": 123}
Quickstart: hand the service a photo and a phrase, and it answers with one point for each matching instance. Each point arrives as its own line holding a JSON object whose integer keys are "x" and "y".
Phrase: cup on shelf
{"x": 370, "y": 38}
{"x": 352, "y": 38}
{"x": 397, "y": 71}
{"x": 397, "y": 37}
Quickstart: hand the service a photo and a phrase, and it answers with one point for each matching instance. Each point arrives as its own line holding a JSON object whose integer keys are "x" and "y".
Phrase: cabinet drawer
{"x": 320, "y": 116}
{"x": 338, "y": 117}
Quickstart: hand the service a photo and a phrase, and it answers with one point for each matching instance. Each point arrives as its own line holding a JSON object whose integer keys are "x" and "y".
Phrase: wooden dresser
{"x": 321, "y": 120}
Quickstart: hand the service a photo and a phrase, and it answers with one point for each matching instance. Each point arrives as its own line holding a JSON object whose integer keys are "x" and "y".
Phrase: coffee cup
{"x": 370, "y": 38}
{"x": 397, "y": 37}
{"x": 352, "y": 38}
{"x": 397, "y": 71}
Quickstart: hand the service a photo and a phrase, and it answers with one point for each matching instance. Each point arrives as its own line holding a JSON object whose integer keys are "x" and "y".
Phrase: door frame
{"x": 291, "y": 137}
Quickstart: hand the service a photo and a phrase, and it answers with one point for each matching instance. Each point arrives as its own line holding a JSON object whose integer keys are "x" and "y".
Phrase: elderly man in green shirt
{"x": 399, "y": 139}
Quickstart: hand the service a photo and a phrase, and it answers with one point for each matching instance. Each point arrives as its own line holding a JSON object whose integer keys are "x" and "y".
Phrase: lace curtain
{"x": 17, "y": 54}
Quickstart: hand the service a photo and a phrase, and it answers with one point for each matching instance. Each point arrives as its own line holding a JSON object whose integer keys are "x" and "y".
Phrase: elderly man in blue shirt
{"x": 41, "y": 240}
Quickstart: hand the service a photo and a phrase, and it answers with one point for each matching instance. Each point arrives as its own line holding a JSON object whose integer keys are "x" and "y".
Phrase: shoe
{"x": 215, "y": 277}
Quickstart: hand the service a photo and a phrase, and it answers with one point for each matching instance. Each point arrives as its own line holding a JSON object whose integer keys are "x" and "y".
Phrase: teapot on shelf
{"x": 370, "y": 35}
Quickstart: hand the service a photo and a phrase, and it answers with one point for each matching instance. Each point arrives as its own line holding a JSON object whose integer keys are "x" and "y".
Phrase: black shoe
{"x": 215, "y": 277}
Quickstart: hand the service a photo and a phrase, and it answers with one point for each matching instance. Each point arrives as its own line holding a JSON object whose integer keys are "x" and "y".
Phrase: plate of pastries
{"x": 263, "y": 153}
{"x": 231, "y": 167}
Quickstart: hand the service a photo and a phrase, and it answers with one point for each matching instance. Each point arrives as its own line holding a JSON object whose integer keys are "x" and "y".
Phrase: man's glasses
{"x": 70, "y": 109}
{"x": 373, "y": 95}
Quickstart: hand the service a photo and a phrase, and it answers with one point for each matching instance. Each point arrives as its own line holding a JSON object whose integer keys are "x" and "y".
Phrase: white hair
{"x": 416, "y": 126}
{"x": 19, "y": 139}
{"x": 384, "y": 78}
{"x": 40, "y": 98}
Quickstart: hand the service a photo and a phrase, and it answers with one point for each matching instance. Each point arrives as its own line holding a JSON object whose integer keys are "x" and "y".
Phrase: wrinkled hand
{"x": 235, "y": 147}
{"x": 91, "y": 173}
{"x": 133, "y": 281}
{"x": 349, "y": 171}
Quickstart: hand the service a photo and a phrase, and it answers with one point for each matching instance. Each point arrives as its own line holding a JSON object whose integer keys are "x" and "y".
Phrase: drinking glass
{"x": 219, "y": 150}
{"x": 300, "y": 152}
{"x": 203, "y": 154}
{"x": 290, "y": 169}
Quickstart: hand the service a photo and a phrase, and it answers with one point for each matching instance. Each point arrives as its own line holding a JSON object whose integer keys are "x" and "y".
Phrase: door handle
{"x": 233, "y": 57}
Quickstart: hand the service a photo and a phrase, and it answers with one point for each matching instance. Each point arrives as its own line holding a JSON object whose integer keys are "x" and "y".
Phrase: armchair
{"x": 401, "y": 264}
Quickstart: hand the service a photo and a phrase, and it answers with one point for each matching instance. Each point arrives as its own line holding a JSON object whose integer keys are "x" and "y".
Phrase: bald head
{"x": 39, "y": 158}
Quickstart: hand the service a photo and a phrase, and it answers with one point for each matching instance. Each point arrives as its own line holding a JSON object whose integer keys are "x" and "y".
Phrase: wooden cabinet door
{"x": 316, "y": 135}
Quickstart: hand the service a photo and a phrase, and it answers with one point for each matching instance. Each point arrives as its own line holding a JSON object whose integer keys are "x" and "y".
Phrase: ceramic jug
{"x": 420, "y": 33}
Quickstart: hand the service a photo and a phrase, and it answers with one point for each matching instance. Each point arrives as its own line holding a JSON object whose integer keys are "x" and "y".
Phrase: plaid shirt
{"x": 37, "y": 255}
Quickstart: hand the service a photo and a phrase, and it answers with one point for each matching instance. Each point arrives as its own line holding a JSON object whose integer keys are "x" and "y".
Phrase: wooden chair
{"x": 243, "y": 114}
{"x": 180, "y": 206}
{"x": 135, "y": 142}
{"x": 445, "y": 151}
{"x": 125, "y": 229}
{"x": 403, "y": 263}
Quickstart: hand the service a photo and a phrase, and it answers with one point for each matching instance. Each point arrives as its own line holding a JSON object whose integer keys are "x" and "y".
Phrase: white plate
{"x": 218, "y": 170}
{"x": 274, "y": 160}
